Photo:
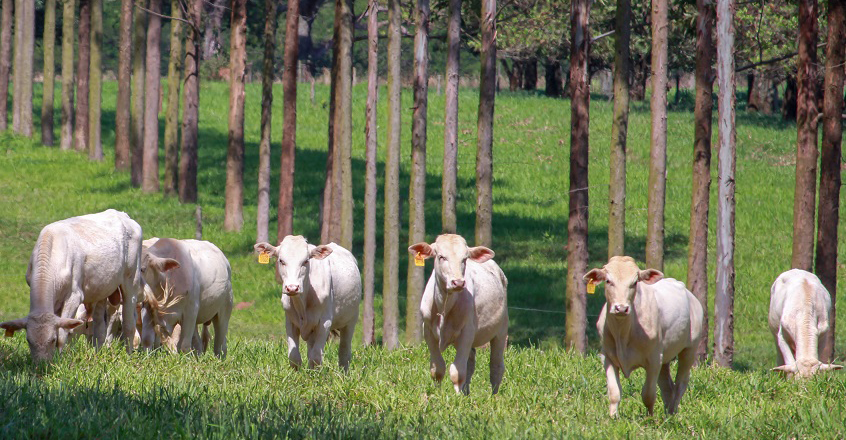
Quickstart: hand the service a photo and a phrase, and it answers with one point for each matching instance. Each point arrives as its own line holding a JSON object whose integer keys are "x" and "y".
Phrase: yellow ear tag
{"x": 264, "y": 258}
{"x": 418, "y": 260}
{"x": 591, "y": 287}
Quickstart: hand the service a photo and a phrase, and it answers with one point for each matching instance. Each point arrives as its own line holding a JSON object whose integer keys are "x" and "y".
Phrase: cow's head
{"x": 451, "y": 253}
{"x": 154, "y": 269}
{"x": 805, "y": 368}
{"x": 42, "y": 333}
{"x": 292, "y": 261}
{"x": 621, "y": 276}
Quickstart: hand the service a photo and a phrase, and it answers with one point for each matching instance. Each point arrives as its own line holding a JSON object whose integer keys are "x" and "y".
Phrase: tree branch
{"x": 771, "y": 60}
{"x": 601, "y": 36}
{"x": 168, "y": 17}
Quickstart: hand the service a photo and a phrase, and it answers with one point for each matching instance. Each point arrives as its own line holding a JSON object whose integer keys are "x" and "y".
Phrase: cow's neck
{"x": 806, "y": 334}
{"x": 443, "y": 300}
{"x": 43, "y": 286}
{"x": 299, "y": 303}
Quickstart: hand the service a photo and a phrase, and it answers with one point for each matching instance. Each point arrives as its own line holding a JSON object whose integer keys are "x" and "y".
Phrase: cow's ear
{"x": 480, "y": 254}
{"x": 789, "y": 369}
{"x": 68, "y": 323}
{"x": 266, "y": 248}
{"x": 595, "y": 276}
{"x": 650, "y": 276}
{"x": 824, "y": 367}
{"x": 163, "y": 264}
{"x": 12, "y": 326}
{"x": 320, "y": 252}
{"x": 422, "y": 249}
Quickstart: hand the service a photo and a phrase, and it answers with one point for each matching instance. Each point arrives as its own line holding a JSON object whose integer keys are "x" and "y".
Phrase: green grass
{"x": 546, "y": 392}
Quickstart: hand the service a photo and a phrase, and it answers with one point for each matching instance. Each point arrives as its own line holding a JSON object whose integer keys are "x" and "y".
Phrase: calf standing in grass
{"x": 464, "y": 305}
{"x": 647, "y": 321}
{"x": 799, "y": 309}
{"x": 322, "y": 290}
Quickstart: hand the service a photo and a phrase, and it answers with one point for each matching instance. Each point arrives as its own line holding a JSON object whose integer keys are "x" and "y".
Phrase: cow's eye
{"x": 441, "y": 258}
{"x": 610, "y": 283}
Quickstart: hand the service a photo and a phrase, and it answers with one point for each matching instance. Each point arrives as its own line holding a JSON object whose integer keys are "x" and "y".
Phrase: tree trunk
{"x": 368, "y": 316}
{"x": 95, "y": 82}
{"x": 48, "y": 43}
{"x": 124, "y": 103}
{"x": 233, "y": 213}
{"x": 658, "y": 152}
{"x": 329, "y": 222}
{"x": 724, "y": 288}
{"x": 788, "y": 109}
{"x": 82, "y": 74}
{"x": 530, "y": 74}
{"x": 828, "y": 216}
{"x": 553, "y": 77}
{"x": 263, "y": 197}
{"x": 136, "y": 116}
{"x": 16, "y": 67}
{"x": 191, "y": 107}
{"x": 390, "y": 271}
{"x": 697, "y": 257}
{"x": 484, "y": 147}
{"x": 174, "y": 80}
{"x": 449, "y": 186}
{"x": 577, "y": 223}
{"x": 417, "y": 186}
{"x": 640, "y": 72}
{"x": 150, "y": 174}
{"x": 343, "y": 121}
{"x": 804, "y": 197}
{"x": 211, "y": 39}
{"x": 6, "y": 58}
{"x": 289, "y": 122}
{"x": 27, "y": 62}
{"x": 68, "y": 32}
{"x": 619, "y": 131}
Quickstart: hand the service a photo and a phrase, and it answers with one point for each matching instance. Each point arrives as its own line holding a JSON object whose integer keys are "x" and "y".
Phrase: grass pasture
{"x": 546, "y": 392}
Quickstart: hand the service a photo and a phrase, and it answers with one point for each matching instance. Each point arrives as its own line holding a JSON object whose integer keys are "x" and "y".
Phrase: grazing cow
{"x": 464, "y": 305}
{"x": 647, "y": 321}
{"x": 81, "y": 260}
{"x": 188, "y": 283}
{"x": 799, "y": 309}
{"x": 322, "y": 290}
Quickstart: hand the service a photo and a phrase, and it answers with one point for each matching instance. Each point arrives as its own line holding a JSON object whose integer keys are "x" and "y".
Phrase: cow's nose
{"x": 621, "y": 309}
{"x": 456, "y": 284}
{"x": 291, "y": 288}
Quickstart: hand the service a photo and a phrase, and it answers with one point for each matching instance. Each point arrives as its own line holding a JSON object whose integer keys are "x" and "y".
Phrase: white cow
{"x": 81, "y": 260}
{"x": 647, "y": 321}
{"x": 464, "y": 305}
{"x": 322, "y": 286}
{"x": 189, "y": 282}
{"x": 799, "y": 309}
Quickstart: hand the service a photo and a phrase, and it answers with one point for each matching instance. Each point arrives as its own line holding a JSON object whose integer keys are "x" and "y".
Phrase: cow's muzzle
{"x": 292, "y": 289}
{"x": 620, "y": 309}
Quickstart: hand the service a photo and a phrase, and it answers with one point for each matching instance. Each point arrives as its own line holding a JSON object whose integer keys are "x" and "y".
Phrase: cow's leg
{"x": 497, "y": 361}
{"x": 650, "y": 387}
{"x": 99, "y": 322}
{"x": 458, "y": 368}
{"x": 317, "y": 343}
{"x": 471, "y": 368}
{"x": 668, "y": 389}
{"x": 221, "y": 330}
{"x": 784, "y": 348}
{"x": 612, "y": 376}
{"x": 293, "y": 334}
{"x": 437, "y": 366}
{"x": 69, "y": 310}
{"x": 130, "y": 291}
{"x": 345, "y": 347}
{"x": 189, "y": 327}
{"x": 686, "y": 360}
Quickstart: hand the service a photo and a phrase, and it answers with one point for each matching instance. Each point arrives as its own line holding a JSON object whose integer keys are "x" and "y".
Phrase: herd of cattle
{"x": 95, "y": 275}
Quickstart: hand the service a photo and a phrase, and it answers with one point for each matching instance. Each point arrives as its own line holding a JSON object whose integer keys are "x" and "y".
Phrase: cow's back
{"x": 488, "y": 285}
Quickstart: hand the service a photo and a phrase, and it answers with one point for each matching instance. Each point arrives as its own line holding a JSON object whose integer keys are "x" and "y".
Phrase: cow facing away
{"x": 321, "y": 294}
{"x": 799, "y": 310}
{"x": 188, "y": 283}
{"x": 646, "y": 322}
{"x": 464, "y": 305}
{"x": 80, "y": 260}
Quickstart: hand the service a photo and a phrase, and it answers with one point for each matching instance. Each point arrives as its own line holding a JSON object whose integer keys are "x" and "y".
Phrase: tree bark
{"x": 150, "y": 169}
{"x": 6, "y": 58}
{"x": 577, "y": 224}
{"x": 16, "y": 66}
{"x": 829, "y": 205}
{"x": 805, "y": 194}
{"x": 449, "y": 186}
{"x": 343, "y": 121}
{"x": 697, "y": 257}
{"x": 530, "y": 74}
{"x": 289, "y": 122}
{"x": 368, "y": 324}
{"x": 48, "y": 43}
{"x": 484, "y": 146}
{"x": 553, "y": 77}
{"x": 233, "y": 213}
{"x": 174, "y": 80}
{"x": 640, "y": 71}
{"x": 136, "y": 116}
{"x": 658, "y": 152}
{"x": 788, "y": 108}
{"x": 329, "y": 214}
{"x": 390, "y": 271}
{"x": 82, "y": 75}
{"x": 619, "y": 131}
{"x": 211, "y": 39}
{"x": 191, "y": 107}
{"x": 724, "y": 297}
{"x": 27, "y": 64}
{"x": 417, "y": 186}
{"x": 95, "y": 82}
{"x": 263, "y": 197}
{"x": 124, "y": 103}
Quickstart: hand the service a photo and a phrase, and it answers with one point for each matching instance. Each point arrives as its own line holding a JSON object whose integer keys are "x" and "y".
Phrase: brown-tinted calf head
{"x": 292, "y": 261}
{"x": 42, "y": 333}
{"x": 621, "y": 276}
{"x": 450, "y": 252}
